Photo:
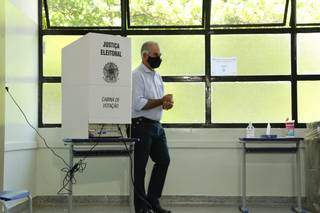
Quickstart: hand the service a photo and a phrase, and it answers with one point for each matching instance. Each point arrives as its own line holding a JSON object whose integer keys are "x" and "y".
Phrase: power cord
{"x": 42, "y": 138}
{"x": 80, "y": 166}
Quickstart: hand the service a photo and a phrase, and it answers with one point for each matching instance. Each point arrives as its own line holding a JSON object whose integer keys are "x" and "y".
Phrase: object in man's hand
{"x": 167, "y": 105}
{"x": 167, "y": 98}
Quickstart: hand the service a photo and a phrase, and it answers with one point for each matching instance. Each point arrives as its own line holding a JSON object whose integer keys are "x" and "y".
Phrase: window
{"x": 52, "y": 53}
{"x": 51, "y": 103}
{"x": 74, "y": 13}
{"x": 308, "y": 12}
{"x": 276, "y": 63}
{"x": 257, "y": 102}
{"x": 165, "y": 13}
{"x": 44, "y": 22}
{"x": 175, "y": 50}
{"x": 308, "y": 101}
{"x": 308, "y": 53}
{"x": 189, "y": 103}
{"x": 253, "y": 12}
{"x": 255, "y": 54}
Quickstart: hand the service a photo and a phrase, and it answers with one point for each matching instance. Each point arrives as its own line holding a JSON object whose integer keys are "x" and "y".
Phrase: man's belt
{"x": 143, "y": 120}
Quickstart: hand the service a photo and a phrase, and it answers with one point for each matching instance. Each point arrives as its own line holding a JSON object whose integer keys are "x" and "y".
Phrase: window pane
{"x": 308, "y": 11}
{"x": 73, "y": 13}
{"x": 182, "y": 55}
{"x": 255, "y": 54}
{"x": 52, "y": 53}
{"x": 308, "y": 101}
{"x": 308, "y": 53}
{"x": 239, "y": 12}
{"x": 51, "y": 103}
{"x": 189, "y": 103}
{"x": 44, "y": 23}
{"x": 194, "y": 113}
{"x": 238, "y": 102}
{"x": 165, "y": 12}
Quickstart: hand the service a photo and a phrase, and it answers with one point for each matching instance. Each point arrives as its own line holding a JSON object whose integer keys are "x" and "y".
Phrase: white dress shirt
{"x": 146, "y": 84}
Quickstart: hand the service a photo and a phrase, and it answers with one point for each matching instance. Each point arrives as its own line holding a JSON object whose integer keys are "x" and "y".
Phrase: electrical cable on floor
{"x": 80, "y": 166}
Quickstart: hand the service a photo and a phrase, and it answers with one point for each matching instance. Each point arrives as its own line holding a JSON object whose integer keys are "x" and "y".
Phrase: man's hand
{"x": 167, "y": 102}
{"x": 167, "y": 98}
{"x": 167, "y": 105}
{"x": 152, "y": 103}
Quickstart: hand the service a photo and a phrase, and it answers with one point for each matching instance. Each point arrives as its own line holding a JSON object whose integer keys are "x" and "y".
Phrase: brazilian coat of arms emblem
{"x": 111, "y": 72}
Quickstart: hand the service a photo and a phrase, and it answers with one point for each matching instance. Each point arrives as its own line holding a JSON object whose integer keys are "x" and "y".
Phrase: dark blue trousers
{"x": 152, "y": 143}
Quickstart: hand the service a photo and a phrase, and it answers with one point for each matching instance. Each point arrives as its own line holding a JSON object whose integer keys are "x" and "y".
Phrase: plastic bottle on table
{"x": 268, "y": 132}
{"x": 250, "y": 131}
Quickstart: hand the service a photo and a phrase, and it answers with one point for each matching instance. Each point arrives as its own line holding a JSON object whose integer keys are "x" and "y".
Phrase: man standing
{"x": 148, "y": 102}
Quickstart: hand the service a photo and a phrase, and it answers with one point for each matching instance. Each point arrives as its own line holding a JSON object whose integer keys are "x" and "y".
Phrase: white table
{"x": 112, "y": 147}
{"x": 268, "y": 145}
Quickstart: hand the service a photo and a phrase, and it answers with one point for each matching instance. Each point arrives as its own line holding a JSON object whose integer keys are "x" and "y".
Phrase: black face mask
{"x": 154, "y": 62}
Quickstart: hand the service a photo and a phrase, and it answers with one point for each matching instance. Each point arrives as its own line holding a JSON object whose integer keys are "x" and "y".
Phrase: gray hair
{"x": 145, "y": 48}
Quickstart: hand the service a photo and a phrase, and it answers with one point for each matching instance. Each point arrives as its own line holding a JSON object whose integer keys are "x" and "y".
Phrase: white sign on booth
{"x": 109, "y": 106}
{"x": 111, "y": 60}
{"x": 99, "y": 67}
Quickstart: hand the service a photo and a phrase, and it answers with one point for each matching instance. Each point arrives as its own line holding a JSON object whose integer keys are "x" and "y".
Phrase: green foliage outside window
{"x": 165, "y": 12}
{"x": 308, "y": 11}
{"x": 247, "y": 12}
{"x": 84, "y": 12}
{"x": 176, "y": 12}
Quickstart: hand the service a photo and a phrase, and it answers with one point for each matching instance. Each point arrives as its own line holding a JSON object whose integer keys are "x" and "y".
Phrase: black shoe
{"x": 144, "y": 211}
{"x": 159, "y": 209}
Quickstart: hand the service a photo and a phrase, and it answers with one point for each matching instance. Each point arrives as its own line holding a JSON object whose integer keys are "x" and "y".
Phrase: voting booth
{"x": 96, "y": 84}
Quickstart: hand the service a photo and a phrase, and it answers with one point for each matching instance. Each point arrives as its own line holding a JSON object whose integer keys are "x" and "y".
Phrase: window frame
{"x": 207, "y": 31}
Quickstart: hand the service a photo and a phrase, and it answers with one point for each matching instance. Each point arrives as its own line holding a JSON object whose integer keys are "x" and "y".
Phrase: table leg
{"x": 30, "y": 203}
{"x": 243, "y": 208}
{"x": 131, "y": 184}
{"x": 299, "y": 208}
{"x": 70, "y": 193}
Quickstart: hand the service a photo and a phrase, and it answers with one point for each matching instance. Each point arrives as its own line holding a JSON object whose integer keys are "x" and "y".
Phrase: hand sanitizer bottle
{"x": 250, "y": 131}
{"x": 268, "y": 132}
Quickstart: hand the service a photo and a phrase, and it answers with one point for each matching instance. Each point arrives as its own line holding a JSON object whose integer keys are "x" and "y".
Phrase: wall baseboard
{"x": 166, "y": 200}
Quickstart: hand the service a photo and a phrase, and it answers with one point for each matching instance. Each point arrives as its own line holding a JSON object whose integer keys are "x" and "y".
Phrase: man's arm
{"x": 153, "y": 103}
{"x": 139, "y": 101}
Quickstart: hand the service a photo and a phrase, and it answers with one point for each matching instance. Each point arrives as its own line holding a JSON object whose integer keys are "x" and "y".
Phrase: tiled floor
{"x": 175, "y": 209}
